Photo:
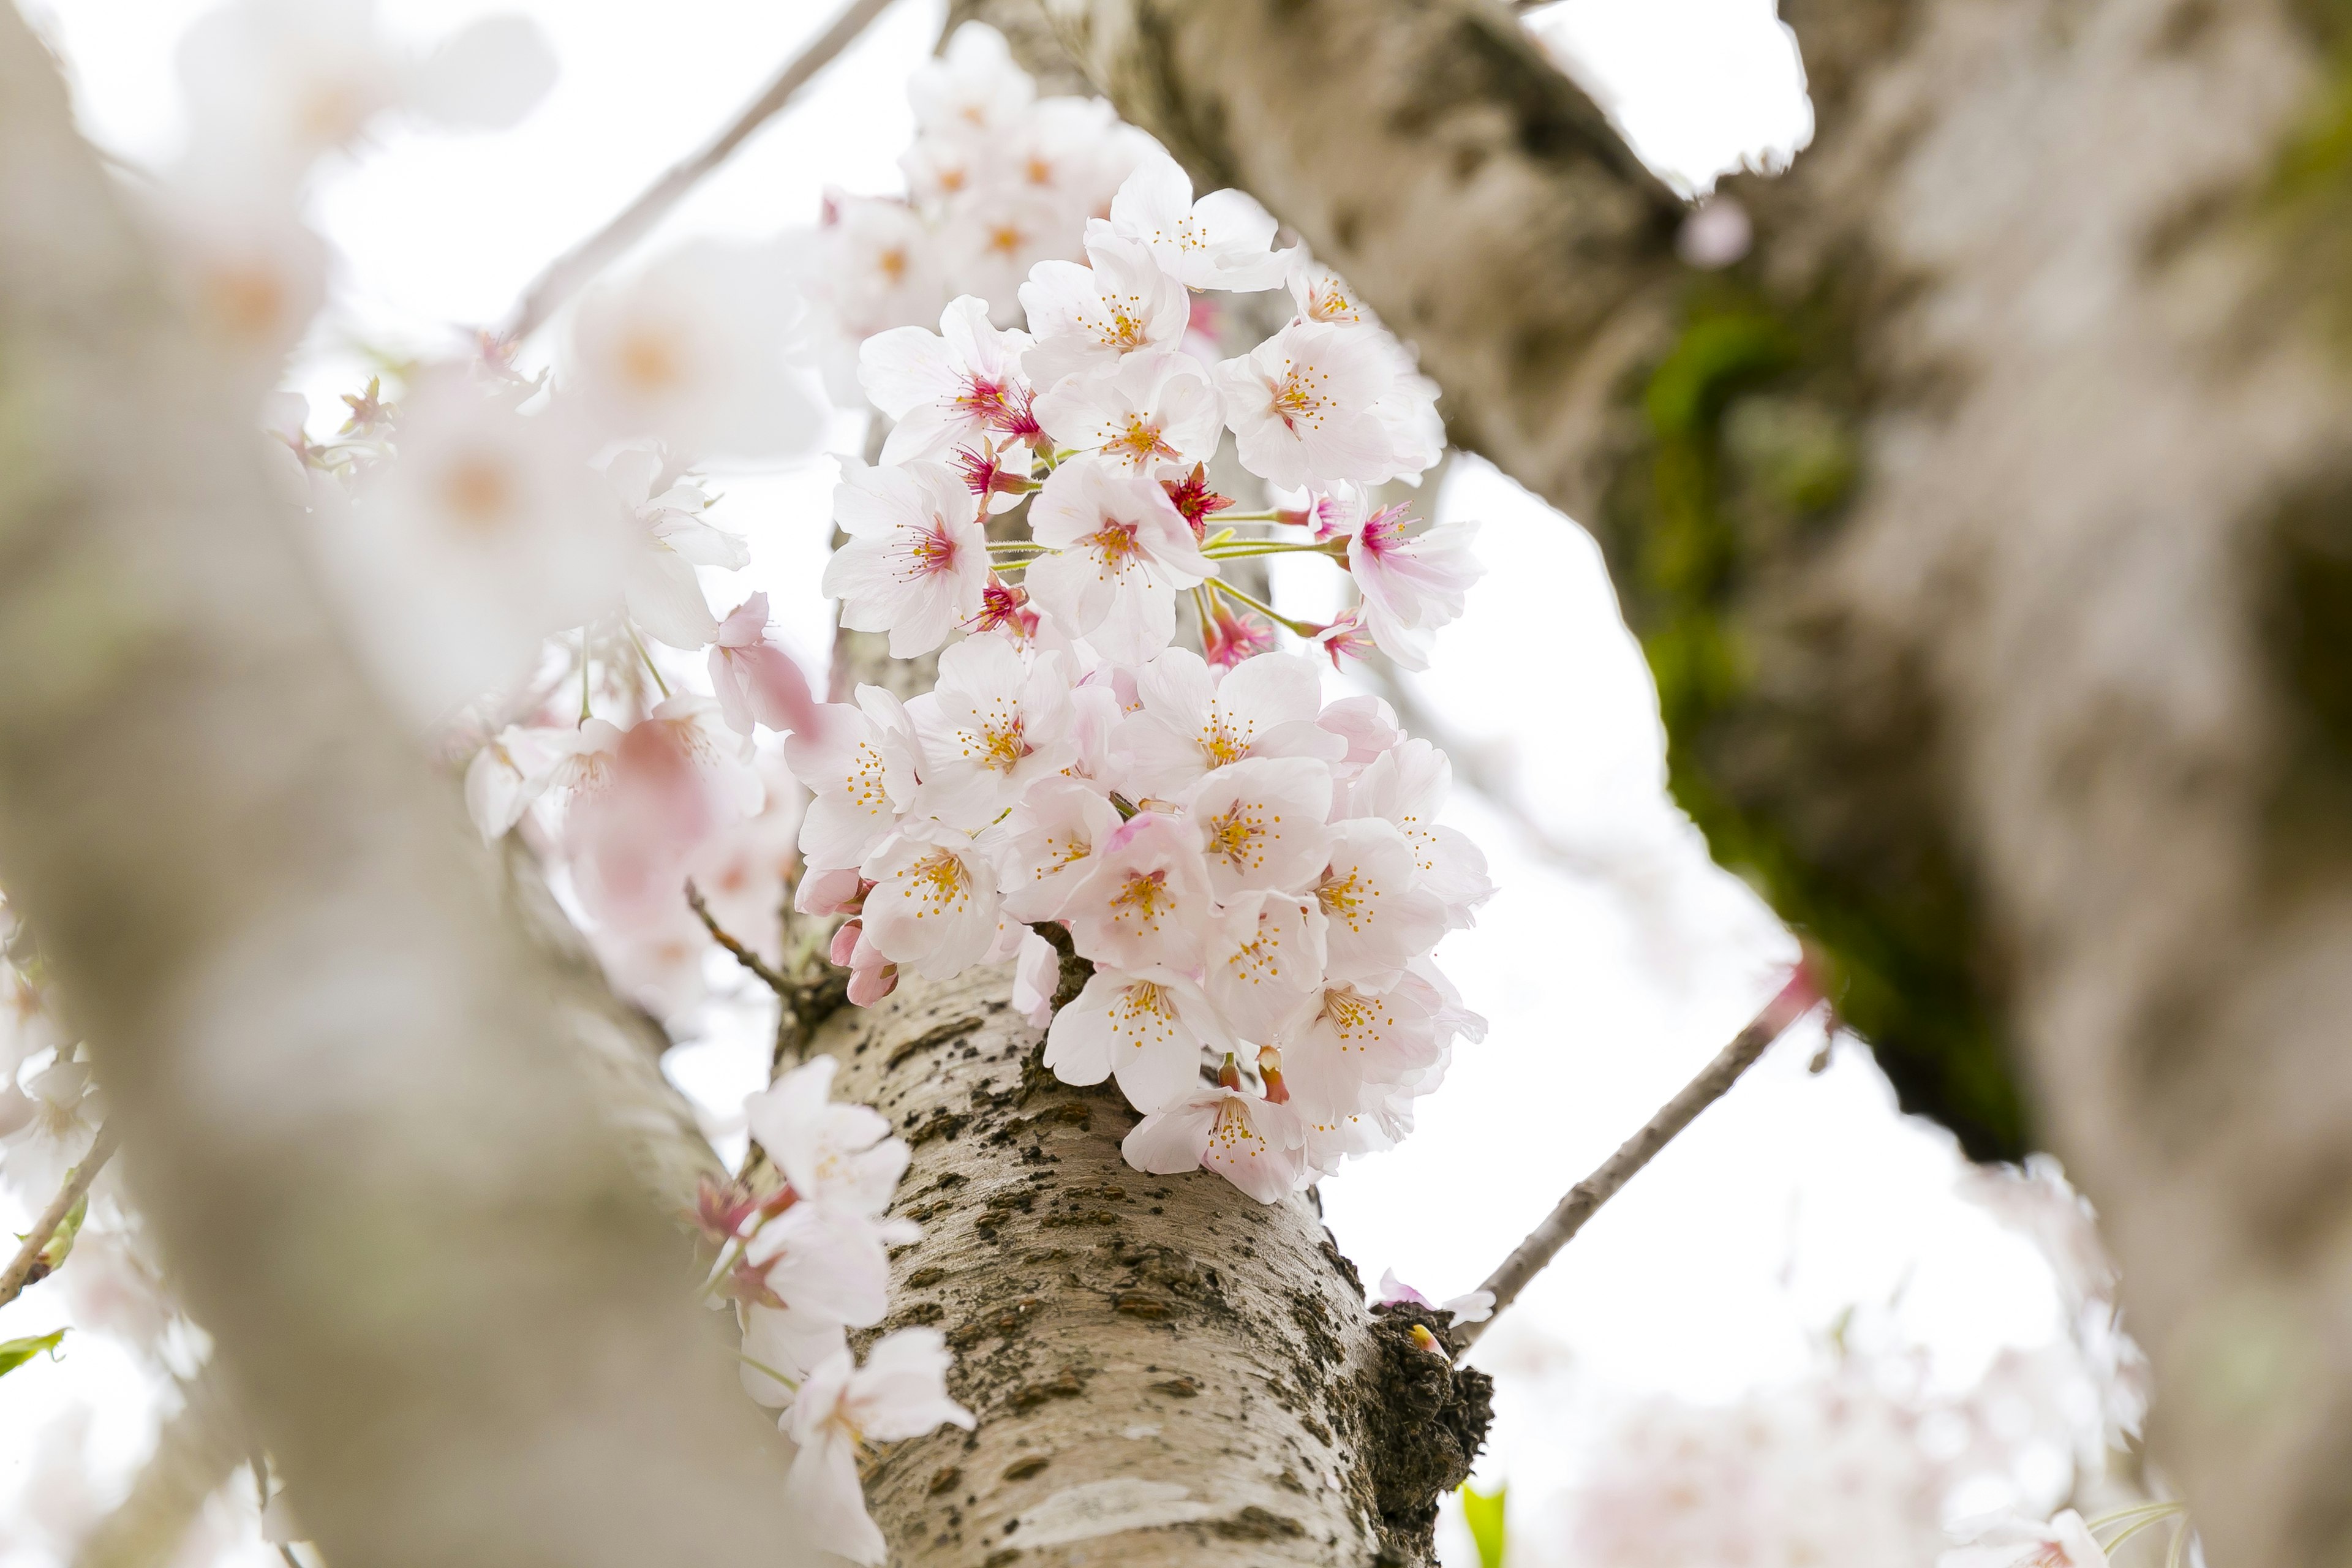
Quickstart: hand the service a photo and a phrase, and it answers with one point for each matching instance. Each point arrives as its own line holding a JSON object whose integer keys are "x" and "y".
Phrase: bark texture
{"x": 1988, "y": 530}
{"x": 1165, "y": 1370}
{"x": 349, "y": 1080}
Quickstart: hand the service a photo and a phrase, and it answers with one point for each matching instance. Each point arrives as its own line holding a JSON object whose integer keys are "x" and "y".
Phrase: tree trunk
{"x": 350, "y": 1084}
{"x": 1989, "y": 533}
{"x": 1165, "y": 1370}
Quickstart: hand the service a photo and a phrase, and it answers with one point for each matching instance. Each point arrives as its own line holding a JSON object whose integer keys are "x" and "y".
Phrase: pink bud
{"x": 845, "y": 942}
{"x": 830, "y": 892}
{"x": 868, "y": 986}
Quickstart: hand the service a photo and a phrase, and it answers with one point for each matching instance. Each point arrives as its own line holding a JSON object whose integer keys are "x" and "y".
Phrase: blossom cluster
{"x": 1258, "y": 876}
{"x": 805, "y": 1260}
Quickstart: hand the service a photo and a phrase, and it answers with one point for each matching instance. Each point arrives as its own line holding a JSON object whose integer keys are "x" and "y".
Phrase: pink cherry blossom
{"x": 1380, "y": 916}
{"x": 756, "y": 681}
{"x": 1144, "y": 903}
{"x": 1264, "y": 960}
{"x": 997, "y": 722}
{"x": 899, "y": 1392}
{"x": 935, "y": 902}
{"x": 1043, "y": 846}
{"x": 1192, "y": 722}
{"x": 1223, "y": 241}
{"x": 1412, "y": 583}
{"x": 860, "y": 764}
{"x": 1302, "y": 404}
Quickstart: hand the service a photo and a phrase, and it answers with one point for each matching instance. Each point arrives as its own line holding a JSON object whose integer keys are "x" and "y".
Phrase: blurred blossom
{"x": 693, "y": 350}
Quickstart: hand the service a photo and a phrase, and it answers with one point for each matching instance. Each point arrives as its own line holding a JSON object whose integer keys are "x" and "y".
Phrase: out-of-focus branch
{"x": 741, "y": 954}
{"x": 19, "y": 1272}
{"x": 569, "y": 273}
{"x": 1528, "y": 1259}
{"x": 366, "y": 1136}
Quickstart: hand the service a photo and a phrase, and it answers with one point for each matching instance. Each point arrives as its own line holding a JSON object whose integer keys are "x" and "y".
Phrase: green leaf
{"x": 1483, "y": 1513}
{"x": 15, "y": 1353}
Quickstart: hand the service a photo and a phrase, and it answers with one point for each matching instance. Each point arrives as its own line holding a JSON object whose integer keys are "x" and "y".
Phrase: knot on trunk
{"x": 1425, "y": 1420}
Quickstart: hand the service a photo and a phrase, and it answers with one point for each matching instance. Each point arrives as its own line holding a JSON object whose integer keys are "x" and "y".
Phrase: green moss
{"x": 1749, "y": 456}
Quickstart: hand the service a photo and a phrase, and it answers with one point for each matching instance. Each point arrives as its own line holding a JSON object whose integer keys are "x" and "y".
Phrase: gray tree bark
{"x": 1989, "y": 531}
{"x": 351, "y": 1084}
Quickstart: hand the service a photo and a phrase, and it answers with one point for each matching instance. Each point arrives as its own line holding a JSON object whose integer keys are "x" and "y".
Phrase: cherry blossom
{"x": 947, "y": 389}
{"x": 1406, "y": 786}
{"x": 1088, "y": 318}
{"x": 935, "y": 903}
{"x": 1147, "y": 1029}
{"x": 859, "y": 765}
{"x": 1412, "y": 583}
{"x": 693, "y": 350}
{"x": 1262, "y": 821}
{"x": 1302, "y": 406}
{"x": 1258, "y": 1146}
{"x": 995, "y": 723}
{"x": 1044, "y": 843}
{"x": 1223, "y": 241}
{"x": 757, "y": 682}
{"x": 2011, "y": 1541}
{"x": 829, "y": 1152}
{"x": 1264, "y": 959}
{"x": 1143, "y": 899}
{"x": 972, "y": 87}
{"x": 1120, "y": 553}
{"x": 899, "y": 1392}
{"x": 917, "y": 560}
{"x": 1380, "y": 914}
{"x": 1154, "y": 408}
{"x": 1192, "y": 722}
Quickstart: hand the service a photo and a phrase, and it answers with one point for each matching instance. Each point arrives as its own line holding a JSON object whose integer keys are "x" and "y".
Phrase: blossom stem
{"x": 1249, "y": 517}
{"x": 1267, "y": 547}
{"x": 764, "y": 1370}
{"x": 585, "y": 707}
{"x": 744, "y": 955}
{"x": 2136, "y": 1510}
{"x": 2139, "y": 1524}
{"x": 999, "y": 546}
{"x": 19, "y": 1272}
{"x": 650, "y": 667}
{"x": 1795, "y": 999}
{"x": 1296, "y": 628}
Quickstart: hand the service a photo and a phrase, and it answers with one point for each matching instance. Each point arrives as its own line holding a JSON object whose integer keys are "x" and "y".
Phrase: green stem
{"x": 642, "y": 654}
{"x": 1265, "y": 547}
{"x": 2153, "y": 1518}
{"x": 585, "y": 714}
{"x": 765, "y": 1370}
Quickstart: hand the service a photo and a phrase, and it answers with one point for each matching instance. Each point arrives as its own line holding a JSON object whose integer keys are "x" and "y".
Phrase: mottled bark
{"x": 349, "y": 1082}
{"x": 1986, "y": 530}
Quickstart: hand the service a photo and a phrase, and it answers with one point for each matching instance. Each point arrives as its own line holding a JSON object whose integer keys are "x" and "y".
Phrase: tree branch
{"x": 569, "y": 273}
{"x": 19, "y": 1272}
{"x": 1583, "y": 1200}
{"x": 744, "y": 955}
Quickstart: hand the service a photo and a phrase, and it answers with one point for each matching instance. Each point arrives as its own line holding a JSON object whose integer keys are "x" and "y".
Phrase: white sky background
{"x": 1722, "y": 1266}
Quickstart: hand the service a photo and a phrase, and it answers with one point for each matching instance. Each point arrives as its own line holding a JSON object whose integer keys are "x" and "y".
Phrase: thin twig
{"x": 20, "y": 1269}
{"x": 568, "y": 273}
{"x": 1528, "y": 1259}
{"x": 744, "y": 955}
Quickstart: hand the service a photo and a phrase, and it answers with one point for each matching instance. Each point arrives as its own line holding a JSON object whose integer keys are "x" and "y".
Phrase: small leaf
{"x": 1483, "y": 1513}
{"x": 15, "y": 1353}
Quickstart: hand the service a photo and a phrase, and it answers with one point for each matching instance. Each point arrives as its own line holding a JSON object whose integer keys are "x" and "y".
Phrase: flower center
{"x": 930, "y": 551}
{"x": 1140, "y": 441}
{"x": 939, "y": 881}
{"x": 1118, "y": 546}
{"x": 1143, "y": 899}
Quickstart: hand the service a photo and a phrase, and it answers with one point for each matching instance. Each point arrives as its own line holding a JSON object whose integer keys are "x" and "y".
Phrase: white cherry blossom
{"x": 951, "y": 388}
{"x": 995, "y": 724}
{"x": 1380, "y": 916}
{"x": 917, "y": 561}
{"x": 1262, "y": 822}
{"x": 831, "y": 1152}
{"x": 1146, "y": 1028}
{"x": 1192, "y": 721}
{"x": 859, "y": 764}
{"x": 1259, "y": 1146}
{"x": 1264, "y": 961}
{"x": 1407, "y": 787}
{"x": 1223, "y": 241}
{"x": 899, "y": 1392}
{"x": 1045, "y": 844}
{"x": 1302, "y": 407}
{"x": 934, "y": 906}
{"x": 2011, "y": 1542}
{"x": 970, "y": 89}
{"x": 1155, "y": 408}
{"x": 1121, "y": 550}
{"x": 1348, "y": 1040}
{"x": 1412, "y": 584}
{"x": 1086, "y": 318}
